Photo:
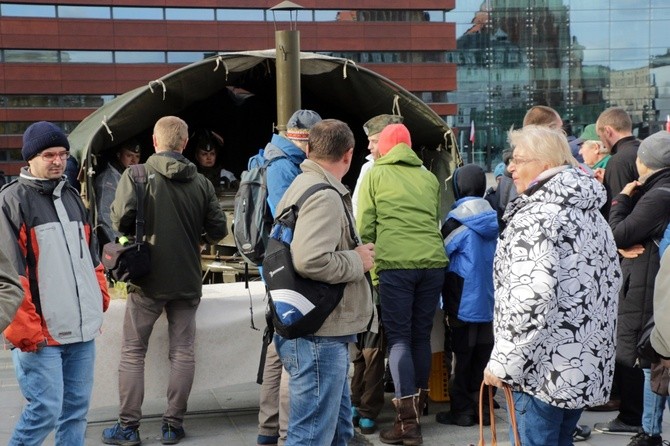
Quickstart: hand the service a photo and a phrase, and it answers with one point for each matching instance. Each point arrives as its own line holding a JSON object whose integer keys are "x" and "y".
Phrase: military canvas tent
{"x": 234, "y": 94}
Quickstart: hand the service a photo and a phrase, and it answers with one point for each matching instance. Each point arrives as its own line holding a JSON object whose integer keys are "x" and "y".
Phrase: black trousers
{"x": 472, "y": 344}
{"x": 630, "y": 382}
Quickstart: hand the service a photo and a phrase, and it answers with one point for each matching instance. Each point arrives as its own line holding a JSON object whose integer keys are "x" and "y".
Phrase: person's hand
{"x": 630, "y": 187}
{"x": 491, "y": 380}
{"x": 367, "y": 255}
{"x": 632, "y": 252}
{"x": 599, "y": 174}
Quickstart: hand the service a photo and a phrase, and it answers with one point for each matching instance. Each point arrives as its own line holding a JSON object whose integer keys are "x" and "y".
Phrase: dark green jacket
{"x": 180, "y": 209}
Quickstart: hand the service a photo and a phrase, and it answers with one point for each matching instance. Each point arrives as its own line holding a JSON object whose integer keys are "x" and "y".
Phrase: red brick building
{"x": 60, "y": 61}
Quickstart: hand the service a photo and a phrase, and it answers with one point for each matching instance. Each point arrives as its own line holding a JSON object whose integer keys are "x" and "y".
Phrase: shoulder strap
{"x": 320, "y": 186}
{"x": 139, "y": 174}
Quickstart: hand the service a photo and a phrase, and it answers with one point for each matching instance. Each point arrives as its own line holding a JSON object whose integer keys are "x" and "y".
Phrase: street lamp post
{"x": 287, "y": 45}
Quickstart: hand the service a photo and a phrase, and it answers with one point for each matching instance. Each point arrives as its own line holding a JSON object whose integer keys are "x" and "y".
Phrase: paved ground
{"x": 227, "y": 416}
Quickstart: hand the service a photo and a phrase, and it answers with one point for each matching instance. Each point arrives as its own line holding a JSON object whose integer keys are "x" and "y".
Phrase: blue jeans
{"x": 320, "y": 405}
{"x": 541, "y": 424}
{"x": 409, "y": 299}
{"x": 57, "y": 382}
{"x": 652, "y": 412}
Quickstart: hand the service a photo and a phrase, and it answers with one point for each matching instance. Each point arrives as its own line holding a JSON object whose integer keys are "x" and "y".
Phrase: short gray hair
{"x": 545, "y": 144}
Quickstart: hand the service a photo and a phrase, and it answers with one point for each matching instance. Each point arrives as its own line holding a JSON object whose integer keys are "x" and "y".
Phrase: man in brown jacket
{"x": 324, "y": 250}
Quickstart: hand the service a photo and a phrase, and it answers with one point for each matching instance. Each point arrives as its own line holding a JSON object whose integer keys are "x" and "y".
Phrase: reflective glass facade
{"x": 577, "y": 56}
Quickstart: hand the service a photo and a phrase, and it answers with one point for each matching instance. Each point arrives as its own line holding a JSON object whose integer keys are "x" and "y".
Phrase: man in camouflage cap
{"x": 367, "y": 386}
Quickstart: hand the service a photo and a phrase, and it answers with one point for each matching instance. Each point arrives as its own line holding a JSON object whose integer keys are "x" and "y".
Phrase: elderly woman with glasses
{"x": 556, "y": 278}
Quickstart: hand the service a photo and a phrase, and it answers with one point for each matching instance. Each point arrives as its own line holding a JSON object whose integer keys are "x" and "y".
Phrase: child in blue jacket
{"x": 470, "y": 234}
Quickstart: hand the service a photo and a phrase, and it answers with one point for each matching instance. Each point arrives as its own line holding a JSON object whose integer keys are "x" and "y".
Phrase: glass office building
{"x": 477, "y": 63}
{"x": 577, "y": 56}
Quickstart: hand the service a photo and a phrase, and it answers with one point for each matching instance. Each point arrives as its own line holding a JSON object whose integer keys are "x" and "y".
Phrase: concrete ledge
{"x": 227, "y": 349}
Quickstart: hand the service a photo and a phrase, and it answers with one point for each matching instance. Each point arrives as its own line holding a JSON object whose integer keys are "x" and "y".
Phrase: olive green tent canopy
{"x": 234, "y": 94}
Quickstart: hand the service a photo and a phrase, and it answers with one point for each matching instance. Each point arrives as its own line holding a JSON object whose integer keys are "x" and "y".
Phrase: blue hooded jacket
{"x": 282, "y": 171}
{"x": 468, "y": 288}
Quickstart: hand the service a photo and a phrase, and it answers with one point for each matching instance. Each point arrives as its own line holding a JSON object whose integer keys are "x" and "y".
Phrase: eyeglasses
{"x": 51, "y": 156}
{"x": 520, "y": 161}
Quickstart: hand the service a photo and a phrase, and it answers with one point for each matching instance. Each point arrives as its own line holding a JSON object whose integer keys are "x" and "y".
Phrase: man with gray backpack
{"x": 270, "y": 173}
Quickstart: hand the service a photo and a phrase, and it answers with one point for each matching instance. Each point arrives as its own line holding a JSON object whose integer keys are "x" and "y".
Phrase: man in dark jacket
{"x": 615, "y": 129}
{"x": 180, "y": 206}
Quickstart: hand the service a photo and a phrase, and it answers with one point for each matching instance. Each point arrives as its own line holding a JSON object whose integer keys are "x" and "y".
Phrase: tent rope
{"x": 220, "y": 61}
{"x": 344, "y": 67}
{"x": 396, "y": 105}
{"x": 162, "y": 84}
{"x": 104, "y": 122}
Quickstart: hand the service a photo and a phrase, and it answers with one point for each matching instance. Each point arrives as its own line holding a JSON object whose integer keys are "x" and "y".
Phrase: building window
{"x": 22, "y": 10}
{"x": 47, "y": 56}
{"x": 198, "y": 14}
{"x": 54, "y": 101}
{"x": 132, "y": 13}
{"x": 241, "y": 15}
{"x": 86, "y": 57}
{"x": 139, "y": 57}
{"x": 187, "y": 57}
{"x": 84, "y": 12}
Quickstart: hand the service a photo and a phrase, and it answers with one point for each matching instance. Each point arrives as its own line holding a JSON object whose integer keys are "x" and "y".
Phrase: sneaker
{"x": 367, "y": 425}
{"x": 128, "y": 436}
{"x": 581, "y": 433}
{"x": 172, "y": 434}
{"x": 618, "y": 427}
{"x": 267, "y": 440}
{"x": 643, "y": 439}
{"x": 355, "y": 416}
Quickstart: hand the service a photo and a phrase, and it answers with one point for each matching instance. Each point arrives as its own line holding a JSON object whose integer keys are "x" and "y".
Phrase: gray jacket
{"x": 660, "y": 336}
{"x": 11, "y": 292}
{"x": 321, "y": 226}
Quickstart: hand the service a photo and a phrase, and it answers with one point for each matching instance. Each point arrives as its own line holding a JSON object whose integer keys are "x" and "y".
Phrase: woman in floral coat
{"x": 556, "y": 278}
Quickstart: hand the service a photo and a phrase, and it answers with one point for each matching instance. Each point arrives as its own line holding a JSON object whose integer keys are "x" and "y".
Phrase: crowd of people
{"x": 546, "y": 282}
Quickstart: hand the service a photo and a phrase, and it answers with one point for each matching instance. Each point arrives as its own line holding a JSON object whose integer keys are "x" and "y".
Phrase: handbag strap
{"x": 510, "y": 407}
{"x": 139, "y": 174}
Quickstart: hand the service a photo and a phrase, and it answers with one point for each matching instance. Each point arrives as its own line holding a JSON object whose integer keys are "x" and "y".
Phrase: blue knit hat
{"x": 42, "y": 135}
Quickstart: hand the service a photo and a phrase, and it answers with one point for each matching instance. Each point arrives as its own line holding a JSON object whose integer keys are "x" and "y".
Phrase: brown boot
{"x": 406, "y": 429}
{"x": 423, "y": 401}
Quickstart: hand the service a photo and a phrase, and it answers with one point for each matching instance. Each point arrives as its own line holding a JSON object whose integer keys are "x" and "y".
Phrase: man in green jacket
{"x": 180, "y": 209}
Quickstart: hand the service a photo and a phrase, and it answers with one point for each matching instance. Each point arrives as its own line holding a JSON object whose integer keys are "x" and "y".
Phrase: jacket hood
{"x": 569, "y": 186}
{"x": 43, "y": 185}
{"x": 391, "y": 136}
{"x": 280, "y": 146}
{"x": 469, "y": 181}
{"x": 476, "y": 214}
{"x": 400, "y": 154}
{"x": 173, "y": 165}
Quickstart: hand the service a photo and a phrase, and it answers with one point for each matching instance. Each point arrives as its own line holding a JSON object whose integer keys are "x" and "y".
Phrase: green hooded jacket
{"x": 399, "y": 211}
{"x": 181, "y": 212}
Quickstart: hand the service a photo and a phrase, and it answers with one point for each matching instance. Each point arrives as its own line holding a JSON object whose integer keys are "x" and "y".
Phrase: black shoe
{"x": 618, "y": 427}
{"x": 610, "y": 406}
{"x": 643, "y": 439}
{"x": 581, "y": 433}
{"x": 459, "y": 419}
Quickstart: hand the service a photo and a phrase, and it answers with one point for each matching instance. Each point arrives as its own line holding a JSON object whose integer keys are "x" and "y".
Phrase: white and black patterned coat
{"x": 557, "y": 278}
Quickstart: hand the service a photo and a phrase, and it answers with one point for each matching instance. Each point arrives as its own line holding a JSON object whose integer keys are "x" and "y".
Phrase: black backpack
{"x": 252, "y": 217}
{"x": 297, "y": 306}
